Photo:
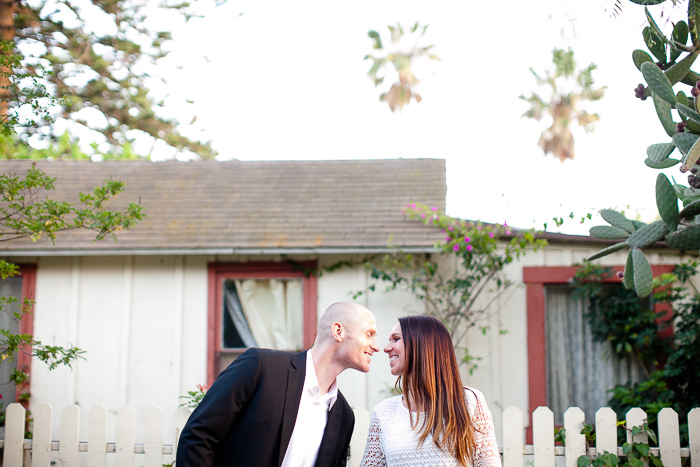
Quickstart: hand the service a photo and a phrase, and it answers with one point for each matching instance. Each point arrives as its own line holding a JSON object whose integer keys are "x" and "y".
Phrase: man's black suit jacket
{"x": 247, "y": 416}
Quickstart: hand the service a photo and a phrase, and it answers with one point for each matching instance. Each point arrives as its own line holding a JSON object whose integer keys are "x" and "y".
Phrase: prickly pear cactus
{"x": 674, "y": 89}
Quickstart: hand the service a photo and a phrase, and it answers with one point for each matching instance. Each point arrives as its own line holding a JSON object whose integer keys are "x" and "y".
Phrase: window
{"x": 269, "y": 305}
{"x": 19, "y": 287}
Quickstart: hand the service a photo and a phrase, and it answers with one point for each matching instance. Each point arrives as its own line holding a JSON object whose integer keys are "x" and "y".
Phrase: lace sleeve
{"x": 486, "y": 453}
{"x": 374, "y": 457}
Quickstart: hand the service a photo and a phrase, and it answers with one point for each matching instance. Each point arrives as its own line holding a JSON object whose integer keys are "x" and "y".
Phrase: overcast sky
{"x": 281, "y": 80}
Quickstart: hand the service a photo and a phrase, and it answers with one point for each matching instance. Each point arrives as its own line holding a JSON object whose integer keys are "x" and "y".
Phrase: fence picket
{"x": 14, "y": 435}
{"x": 97, "y": 437}
{"x": 669, "y": 438}
{"x": 179, "y": 419}
{"x": 543, "y": 436}
{"x": 694, "y": 435}
{"x": 512, "y": 437}
{"x": 636, "y": 417}
{"x": 126, "y": 423}
{"x": 606, "y": 431}
{"x": 68, "y": 446}
{"x": 153, "y": 438}
{"x": 575, "y": 441}
{"x": 41, "y": 437}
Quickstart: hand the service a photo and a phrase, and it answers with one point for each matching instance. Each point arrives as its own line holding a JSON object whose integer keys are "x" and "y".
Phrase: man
{"x": 273, "y": 408}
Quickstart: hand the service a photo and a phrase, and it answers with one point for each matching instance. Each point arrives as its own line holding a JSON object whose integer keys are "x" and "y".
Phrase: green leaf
{"x": 583, "y": 461}
{"x": 658, "y": 82}
{"x": 608, "y": 232}
{"x": 667, "y": 202}
{"x": 643, "y": 278}
{"x": 661, "y": 165}
{"x": 660, "y": 152}
{"x": 607, "y": 250}
{"x": 663, "y": 111}
{"x": 643, "y": 449}
{"x": 684, "y": 141}
{"x": 628, "y": 277}
{"x": 639, "y": 57}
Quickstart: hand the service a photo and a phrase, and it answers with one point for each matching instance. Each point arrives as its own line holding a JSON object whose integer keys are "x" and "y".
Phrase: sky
{"x": 286, "y": 80}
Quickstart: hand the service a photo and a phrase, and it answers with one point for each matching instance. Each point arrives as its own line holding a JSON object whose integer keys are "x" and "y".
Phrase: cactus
{"x": 690, "y": 210}
{"x": 616, "y": 219}
{"x": 607, "y": 250}
{"x": 686, "y": 239}
{"x": 687, "y": 112}
{"x": 667, "y": 202}
{"x": 658, "y": 82}
{"x": 628, "y": 276}
{"x": 643, "y": 277}
{"x": 684, "y": 141}
{"x": 608, "y": 232}
{"x": 693, "y": 155}
{"x": 660, "y": 152}
{"x": 639, "y": 57}
{"x": 678, "y": 71}
{"x": 661, "y": 165}
{"x": 663, "y": 111}
{"x": 647, "y": 235}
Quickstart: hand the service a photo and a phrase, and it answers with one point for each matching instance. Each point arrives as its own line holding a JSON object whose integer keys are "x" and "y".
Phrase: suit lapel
{"x": 329, "y": 442}
{"x": 296, "y": 373}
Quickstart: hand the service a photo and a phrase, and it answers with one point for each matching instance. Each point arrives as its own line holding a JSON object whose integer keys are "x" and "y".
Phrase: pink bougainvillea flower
{"x": 491, "y": 234}
{"x": 448, "y": 238}
{"x": 412, "y": 205}
{"x": 456, "y": 247}
{"x": 470, "y": 248}
{"x": 467, "y": 239}
{"x": 422, "y": 216}
{"x": 478, "y": 227}
{"x": 507, "y": 232}
{"x": 433, "y": 209}
{"x": 450, "y": 228}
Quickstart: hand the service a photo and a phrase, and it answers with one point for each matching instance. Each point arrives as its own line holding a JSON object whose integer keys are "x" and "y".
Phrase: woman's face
{"x": 396, "y": 351}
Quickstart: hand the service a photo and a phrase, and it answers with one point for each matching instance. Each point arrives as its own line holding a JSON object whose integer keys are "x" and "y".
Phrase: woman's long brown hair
{"x": 431, "y": 380}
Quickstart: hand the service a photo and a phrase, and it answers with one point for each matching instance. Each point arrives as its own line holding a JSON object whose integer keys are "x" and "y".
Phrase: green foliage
{"x": 193, "y": 398}
{"x": 634, "y": 454}
{"x": 566, "y": 88}
{"x": 399, "y": 57}
{"x": 452, "y": 295}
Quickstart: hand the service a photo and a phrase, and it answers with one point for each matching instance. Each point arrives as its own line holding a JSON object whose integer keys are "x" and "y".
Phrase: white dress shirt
{"x": 311, "y": 420}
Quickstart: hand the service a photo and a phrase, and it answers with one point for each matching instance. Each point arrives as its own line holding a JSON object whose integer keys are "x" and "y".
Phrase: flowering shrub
{"x": 193, "y": 398}
{"x": 481, "y": 250}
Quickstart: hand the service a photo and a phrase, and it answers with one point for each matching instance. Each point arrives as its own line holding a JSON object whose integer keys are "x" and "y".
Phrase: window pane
{"x": 11, "y": 287}
{"x": 579, "y": 371}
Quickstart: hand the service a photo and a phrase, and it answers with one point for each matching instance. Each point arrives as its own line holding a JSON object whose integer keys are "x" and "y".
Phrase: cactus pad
{"x": 643, "y": 278}
{"x": 663, "y": 111}
{"x": 684, "y": 141}
{"x": 608, "y": 232}
{"x": 628, "y": 277}
{"x": 658, "y": 82}
{"x": 680, "y": 35}
{"x": 688, "y": 113}
{"x": 617, "y": 219}
{"x": 686, "y": 239}
{"x": 638, "y": 224}
{"x": 678, "y": 71}
{"x": 647, "y": 235}
{"x": 607, "y": 250}
{"x": 667, "y": 202}
{"x": 692, "y": 209}
{"x": 660, "y": 152}
{"x": 693, "y": 155}
{"x": 661, "y": 165}
{"x": 639, "y": 57}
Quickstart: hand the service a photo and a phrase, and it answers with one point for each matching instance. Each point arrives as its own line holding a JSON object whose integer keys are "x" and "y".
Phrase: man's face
{"x": 360, "y": 343}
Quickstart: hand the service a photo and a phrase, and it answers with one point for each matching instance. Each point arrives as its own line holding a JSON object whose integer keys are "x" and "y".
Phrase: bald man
{"x": 274, "y": 408}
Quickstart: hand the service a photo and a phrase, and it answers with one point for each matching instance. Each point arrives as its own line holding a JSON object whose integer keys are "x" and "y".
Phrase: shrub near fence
{"x": 152, "y": 452}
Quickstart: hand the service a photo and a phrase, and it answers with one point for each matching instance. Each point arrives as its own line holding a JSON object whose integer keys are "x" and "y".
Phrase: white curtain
{"x": 235, "y": 312}
{"x": 579, "y": 371}
{"x": 274, "y": 311}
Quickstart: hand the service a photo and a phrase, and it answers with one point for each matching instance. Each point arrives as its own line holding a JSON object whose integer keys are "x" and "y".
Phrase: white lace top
{"x": 392, "y": 443}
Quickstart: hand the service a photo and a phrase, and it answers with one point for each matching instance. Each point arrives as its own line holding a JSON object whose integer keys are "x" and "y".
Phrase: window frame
{"x": 536, "y": 278}
{"x": 218, "y": 272}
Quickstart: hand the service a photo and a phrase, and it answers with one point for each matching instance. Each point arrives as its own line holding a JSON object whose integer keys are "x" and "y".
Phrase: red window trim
{"x": 535, "y": 279}
{"x": 261, "y": 270}
{"x": 26, "y": 324}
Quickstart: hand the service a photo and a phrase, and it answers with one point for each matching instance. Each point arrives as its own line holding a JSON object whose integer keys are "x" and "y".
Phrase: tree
{"x": 678, "y": 228}
{"x": 452, "y": 292}
{"x": 26, "y": 212}
{"x": 105, "y": 69}
{"x": 400, "y": 56}
{"x": 567, "y": 89}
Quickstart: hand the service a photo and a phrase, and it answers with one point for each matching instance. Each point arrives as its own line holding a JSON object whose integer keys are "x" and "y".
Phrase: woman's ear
{"x": 338, "y": 332}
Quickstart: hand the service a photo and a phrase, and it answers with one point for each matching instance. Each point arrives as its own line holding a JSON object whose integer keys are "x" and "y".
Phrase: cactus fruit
{"x": 667, "y": 202}
{"x": 617, "y": 219}
{"x": 643, "y": 277}
{"x": 692, "y": 209}
{"x": 607, "y": 250}
{"x": 658, "y": 82}
{"x": 628, "y": 275}
{"x": 608, "y": 232}
{"x": 686, "y": 239}
{"x": 660, "y": 152}
{"x": 663, "y": 111}
{"x": 647, "y": 235}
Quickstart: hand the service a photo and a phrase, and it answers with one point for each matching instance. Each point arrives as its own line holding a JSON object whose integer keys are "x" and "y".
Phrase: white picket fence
{"x": 152, "y": 452}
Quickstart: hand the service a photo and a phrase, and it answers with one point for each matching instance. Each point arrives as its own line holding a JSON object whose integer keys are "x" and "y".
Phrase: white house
{"x": 226, "y": 259}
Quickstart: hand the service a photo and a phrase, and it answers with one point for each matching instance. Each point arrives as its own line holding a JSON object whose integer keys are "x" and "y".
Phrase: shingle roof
{"x": 262, "y": 205}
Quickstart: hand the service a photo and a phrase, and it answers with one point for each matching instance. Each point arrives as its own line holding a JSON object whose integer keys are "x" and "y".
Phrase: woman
{"x": 436, "y": 421}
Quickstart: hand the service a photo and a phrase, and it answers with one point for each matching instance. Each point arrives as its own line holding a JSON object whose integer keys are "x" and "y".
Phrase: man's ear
{"x": 338, "y": 332}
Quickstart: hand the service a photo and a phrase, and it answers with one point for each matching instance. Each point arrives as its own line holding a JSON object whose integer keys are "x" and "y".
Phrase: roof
{"x": 250, "y": 207}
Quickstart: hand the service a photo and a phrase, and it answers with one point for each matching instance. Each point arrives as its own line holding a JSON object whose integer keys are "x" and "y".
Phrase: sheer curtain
{"x": 274, "y": 312}
{"x": 579, "y": 371}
